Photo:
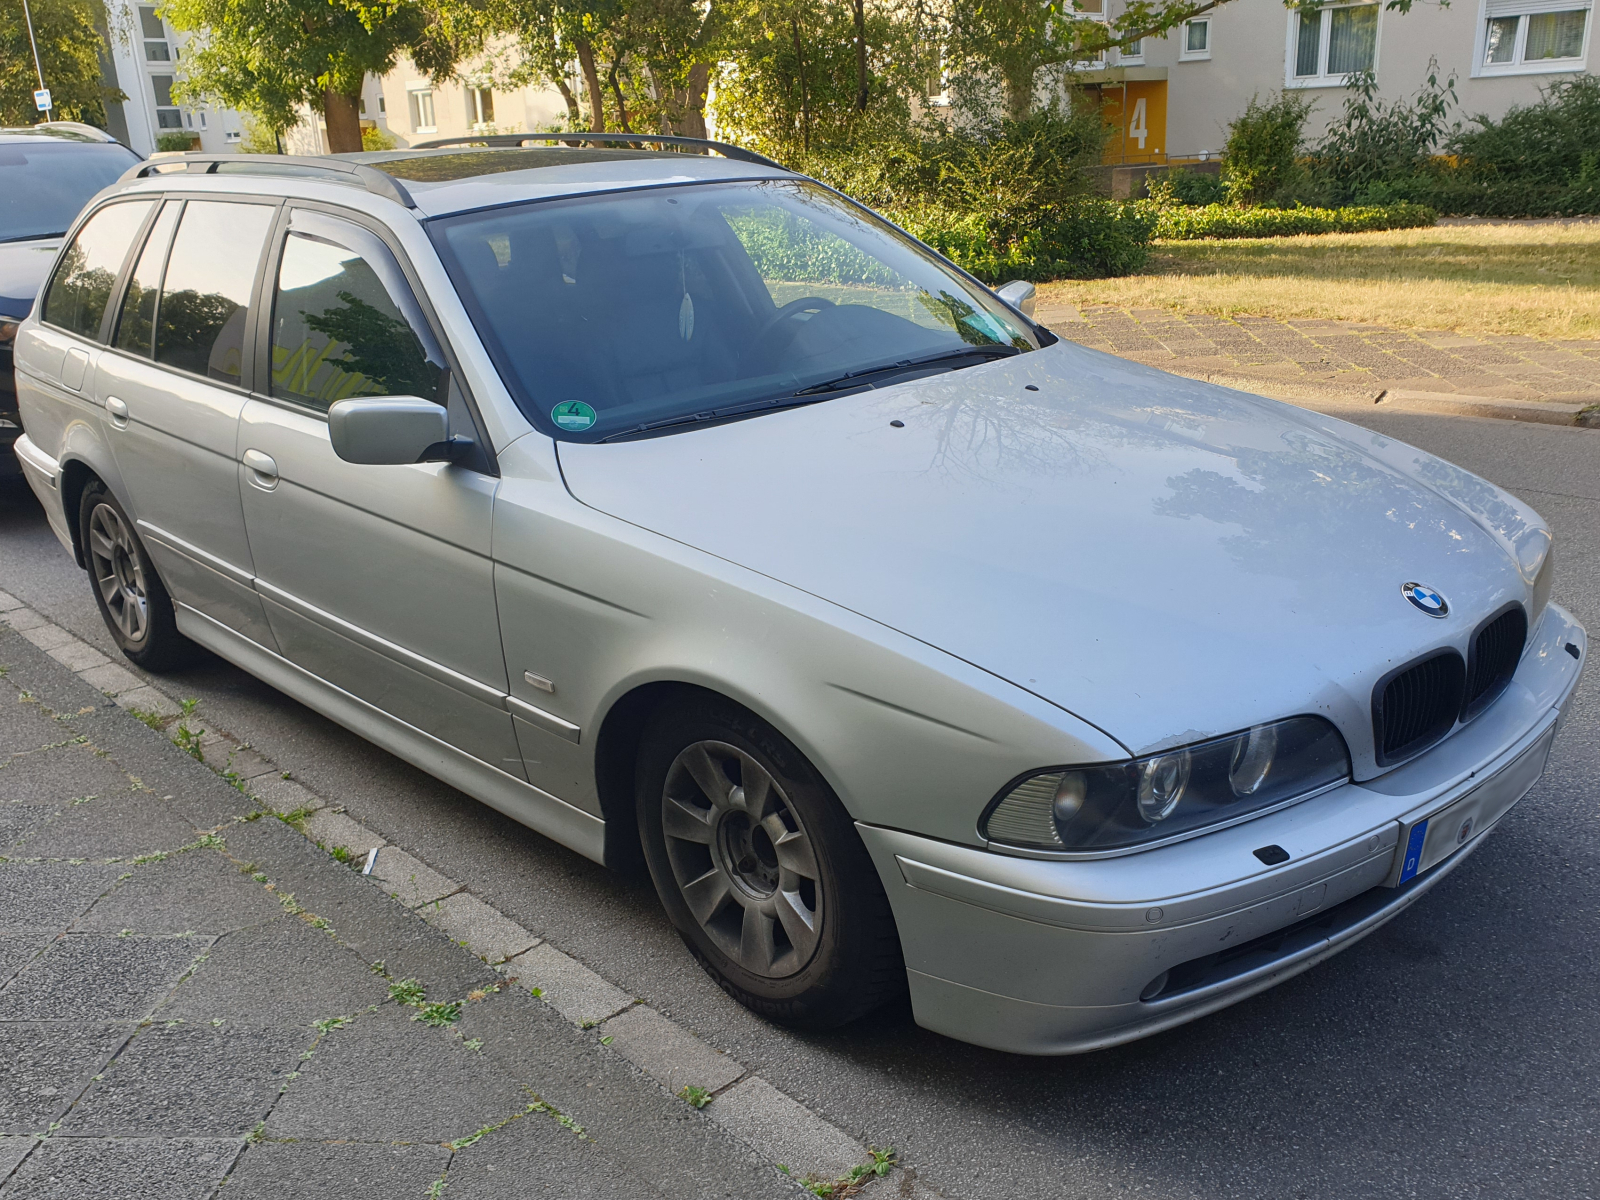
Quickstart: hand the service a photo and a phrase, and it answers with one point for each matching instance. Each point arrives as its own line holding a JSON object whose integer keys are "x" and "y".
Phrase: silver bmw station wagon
{"x": 689, "y": 513}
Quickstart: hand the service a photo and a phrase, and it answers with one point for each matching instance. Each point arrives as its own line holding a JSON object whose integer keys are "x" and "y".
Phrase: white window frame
{"x": 1104, "y": 17}
{"x": 422, "y": 85}
{"x": 473, "y": 105}
{"x": 1291, "y": 48}
{"x": 1525, "y": 9}
{"x": 1187, "y": 55}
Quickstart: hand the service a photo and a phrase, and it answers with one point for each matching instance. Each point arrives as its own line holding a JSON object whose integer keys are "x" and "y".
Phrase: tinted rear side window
{"x": 136, "y": 325}
{"x": 200, "y": 324}
{"x": 88, "y": 270}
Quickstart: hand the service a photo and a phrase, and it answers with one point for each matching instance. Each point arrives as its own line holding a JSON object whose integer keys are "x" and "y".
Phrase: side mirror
{"x": 379, "y": 430}
{"x": 1019, "y": 293}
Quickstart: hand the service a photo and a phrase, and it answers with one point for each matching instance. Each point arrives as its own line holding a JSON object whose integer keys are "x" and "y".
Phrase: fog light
{"x": 1252, "y": 759}
{"x": 1161, "y": 785}
{"x": 1070, "y": 795}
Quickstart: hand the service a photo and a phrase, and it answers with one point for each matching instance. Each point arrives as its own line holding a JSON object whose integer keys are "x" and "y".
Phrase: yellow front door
{"x": 1137, "y": 113}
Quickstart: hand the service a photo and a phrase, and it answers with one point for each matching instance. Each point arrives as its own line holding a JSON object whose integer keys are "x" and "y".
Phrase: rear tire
{"x": 132, "y": 599}
{"x": 761, "y": 869}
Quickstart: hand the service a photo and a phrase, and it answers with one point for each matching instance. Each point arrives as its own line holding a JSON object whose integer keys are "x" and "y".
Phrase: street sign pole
{"x": 49, "y": 110}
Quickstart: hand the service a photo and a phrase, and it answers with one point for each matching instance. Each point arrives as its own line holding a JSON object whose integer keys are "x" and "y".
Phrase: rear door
{"x": 376, "y": 578}
{"x": 173, "y": 385}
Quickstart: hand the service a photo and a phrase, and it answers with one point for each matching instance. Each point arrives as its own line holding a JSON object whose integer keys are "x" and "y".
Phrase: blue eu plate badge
{"x": 1413, "y": 860}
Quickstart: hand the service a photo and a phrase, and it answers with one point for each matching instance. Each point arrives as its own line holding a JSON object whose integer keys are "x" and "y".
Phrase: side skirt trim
{"x": 533, "y": 807}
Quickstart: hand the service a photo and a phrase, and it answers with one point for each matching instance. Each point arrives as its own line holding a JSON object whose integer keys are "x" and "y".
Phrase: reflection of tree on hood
{"x": 378, "y": 346}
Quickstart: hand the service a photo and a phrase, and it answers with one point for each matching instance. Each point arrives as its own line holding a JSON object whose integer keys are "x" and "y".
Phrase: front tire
{"x": 761, "y": 869}
{"x": 132, "y": 598}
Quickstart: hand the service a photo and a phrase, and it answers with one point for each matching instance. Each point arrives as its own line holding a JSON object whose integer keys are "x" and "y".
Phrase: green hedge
{"x": 1085, "y": 239}
{"x": 1222, "y": 221}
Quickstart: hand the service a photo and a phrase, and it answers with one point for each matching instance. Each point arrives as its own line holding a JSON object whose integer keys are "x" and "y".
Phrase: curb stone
{"x": 743, "y": 1103}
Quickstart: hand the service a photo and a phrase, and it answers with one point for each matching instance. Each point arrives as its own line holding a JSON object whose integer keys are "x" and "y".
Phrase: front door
{"x": 376, "y": 578}
{"x": 171, "y": 382}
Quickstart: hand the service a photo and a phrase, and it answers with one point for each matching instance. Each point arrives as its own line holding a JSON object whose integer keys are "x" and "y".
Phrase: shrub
{"x": 1185, "y": 187}
{"x": 257, "y": 137}
{"x": 1086, "y": 239}
{"x": 1260, "y": 163}
{"x": 174, "y": 141}
{"x": 373, "y": 138}
{"x": 1369, "y": 151}
{"x": 1221, "y": 221}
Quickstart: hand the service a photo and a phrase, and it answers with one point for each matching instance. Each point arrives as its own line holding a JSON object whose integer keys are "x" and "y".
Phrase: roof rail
{"x": 375, "y": 181}
{"x": 738, "y": 153}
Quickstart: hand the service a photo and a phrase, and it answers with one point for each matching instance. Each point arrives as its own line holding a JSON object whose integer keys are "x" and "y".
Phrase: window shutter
{"x": 1512, "y": 8}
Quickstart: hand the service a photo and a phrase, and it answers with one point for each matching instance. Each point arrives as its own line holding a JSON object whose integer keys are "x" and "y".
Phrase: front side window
{"x": 78, "y": 295}
{"x": 1331, "y": 43}
{"x": 344, "y": 323}
{"x": 205, "y": 297}
{"x": 608, "y": 313}
{"x": 1533, "y": 41}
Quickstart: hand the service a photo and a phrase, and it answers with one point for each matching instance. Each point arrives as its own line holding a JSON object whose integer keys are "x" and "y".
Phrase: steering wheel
{"x": 791, "y": 310}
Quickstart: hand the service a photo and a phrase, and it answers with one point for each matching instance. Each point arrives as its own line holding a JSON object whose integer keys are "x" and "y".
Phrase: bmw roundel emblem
{"x": 1426, "y": 599}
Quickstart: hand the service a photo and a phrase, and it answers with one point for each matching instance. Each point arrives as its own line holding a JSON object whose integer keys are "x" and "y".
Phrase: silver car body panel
{"x": 1117, "y": 562}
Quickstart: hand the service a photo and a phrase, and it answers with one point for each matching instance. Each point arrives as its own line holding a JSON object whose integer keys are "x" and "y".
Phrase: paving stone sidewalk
{"x": 1341, "y": 359}
{"x": 195, "y": 998}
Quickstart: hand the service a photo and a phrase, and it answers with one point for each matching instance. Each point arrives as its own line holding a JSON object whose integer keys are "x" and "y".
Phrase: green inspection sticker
{"x": 573, "y": 414}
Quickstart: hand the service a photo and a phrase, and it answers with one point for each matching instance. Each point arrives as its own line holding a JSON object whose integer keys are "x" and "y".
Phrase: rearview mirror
{"x": 379, "y": 430}
{"x": 1019, "y": 293}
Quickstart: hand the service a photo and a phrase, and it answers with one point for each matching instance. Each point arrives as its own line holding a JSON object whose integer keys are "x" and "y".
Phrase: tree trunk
{"x": 622, "y": 106}
{"x": 574, "y": 114}
{"x": 1019, "y": 93}
{"x": 344, "y": 121}
{"x": 591, "y": 81}
{"x": 862, "y": 81}
{"x": 805, "y": 97}
{"x": 689, "y": 119}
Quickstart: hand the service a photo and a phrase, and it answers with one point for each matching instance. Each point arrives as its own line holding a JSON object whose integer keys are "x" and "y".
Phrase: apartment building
{"x": 143, "y": 56}
{"x": 1173, "y": 97}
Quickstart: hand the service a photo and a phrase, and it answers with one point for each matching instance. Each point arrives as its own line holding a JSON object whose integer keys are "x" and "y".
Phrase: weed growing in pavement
{"x": 189, "y": 706}
{"x": 850, "y": 1183}
{"x": 440, "y": 1014}
{"x": 295, "y": 819}
{"x": 153, "y": 719}
{"x": 236, "y": 781}
{"x": 188, "y": 740}
{"x": 379, "y": 968}
{"x": 694, "y": 1097}
{"x": 408, "y": 992}
{"x": 437, "y": 1187}
{"x": 607, "y": 1040}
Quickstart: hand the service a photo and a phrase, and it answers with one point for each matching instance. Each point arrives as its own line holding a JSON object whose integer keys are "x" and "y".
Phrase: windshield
{"x": 44, "y": 183}
{"x": 607, "y": 315}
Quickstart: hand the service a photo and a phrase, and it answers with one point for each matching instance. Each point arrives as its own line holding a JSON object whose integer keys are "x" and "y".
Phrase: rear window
{"x": 44, "y": 183}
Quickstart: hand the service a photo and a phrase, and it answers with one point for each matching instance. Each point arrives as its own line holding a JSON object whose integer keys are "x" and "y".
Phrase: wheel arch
{"x": 75, "y": 477}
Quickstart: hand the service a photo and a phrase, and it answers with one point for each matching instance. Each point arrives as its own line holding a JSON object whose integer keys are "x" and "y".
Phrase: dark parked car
{"x": 48, "y": 173}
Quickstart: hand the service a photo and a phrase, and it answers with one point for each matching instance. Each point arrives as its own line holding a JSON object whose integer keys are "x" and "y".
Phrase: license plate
{"x": 1428, "y": 841}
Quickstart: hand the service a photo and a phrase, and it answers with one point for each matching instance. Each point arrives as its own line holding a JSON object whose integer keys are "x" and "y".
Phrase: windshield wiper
{"x": 854, "y": 378}
{"x": 814, "y": 394}
{"x": 796, "y": 400}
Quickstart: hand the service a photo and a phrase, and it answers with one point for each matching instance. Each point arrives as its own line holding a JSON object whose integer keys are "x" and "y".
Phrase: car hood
{"x": 1166, "y": 559}
{"x": 23, "y": 266}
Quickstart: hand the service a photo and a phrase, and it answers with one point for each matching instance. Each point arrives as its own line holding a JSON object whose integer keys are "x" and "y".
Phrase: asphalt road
{"x": 1451, "y": 1054}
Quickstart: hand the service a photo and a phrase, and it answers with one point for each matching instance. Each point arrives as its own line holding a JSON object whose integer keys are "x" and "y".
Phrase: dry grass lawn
{"x": 1530, "y": 279}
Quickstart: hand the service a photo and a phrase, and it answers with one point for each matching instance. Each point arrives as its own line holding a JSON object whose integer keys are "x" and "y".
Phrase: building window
{"x": 1196, "y": 40}
{"x": 480, "y": 107}
{"x": 382, "y": 107}
{"x": 157, "y": 52}
{"x": 1330, "y": 44}
{"x": 1516, "y": 42}
{"x": 150, "y": 24}
{"x": 421, "y": 110}
{"x": 1133, "y": 52}
{"x": 1095, "y": 10}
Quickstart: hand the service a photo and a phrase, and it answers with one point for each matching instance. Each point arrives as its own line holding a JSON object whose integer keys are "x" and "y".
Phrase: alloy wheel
{"x": 742, "y": 859}
{"x": 114, "y": 560}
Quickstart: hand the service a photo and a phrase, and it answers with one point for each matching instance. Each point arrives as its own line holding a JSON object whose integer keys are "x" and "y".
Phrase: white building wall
{"x": 147, "y": 53}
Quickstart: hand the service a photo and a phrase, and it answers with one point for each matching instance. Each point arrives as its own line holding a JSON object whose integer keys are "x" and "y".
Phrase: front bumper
{"x": 1062, "y": 957}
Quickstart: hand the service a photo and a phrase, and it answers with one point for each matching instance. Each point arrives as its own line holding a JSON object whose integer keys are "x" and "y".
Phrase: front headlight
{"x": 1117, "y": 806}
{"x": 8, "y": 330}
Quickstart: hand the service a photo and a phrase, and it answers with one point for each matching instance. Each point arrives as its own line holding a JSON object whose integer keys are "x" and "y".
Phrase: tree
{"x": 71, "y": 37}
{"x": 268, "y": 57}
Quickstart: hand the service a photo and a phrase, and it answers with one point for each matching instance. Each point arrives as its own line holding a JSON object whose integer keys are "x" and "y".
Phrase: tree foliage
{"x": 268, "y": 57}
{"x": 70, "y": 38}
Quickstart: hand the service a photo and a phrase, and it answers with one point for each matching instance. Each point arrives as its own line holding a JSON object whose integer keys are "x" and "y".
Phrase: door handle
{"x": 117, "y": 410}
{"x": 263, "y": 470}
